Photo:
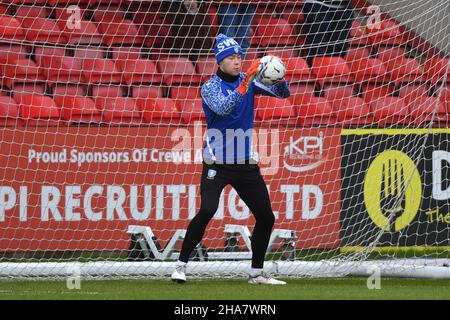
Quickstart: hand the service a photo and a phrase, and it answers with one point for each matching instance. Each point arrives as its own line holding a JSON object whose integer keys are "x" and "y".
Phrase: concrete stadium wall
{"x": 429, "y": 19}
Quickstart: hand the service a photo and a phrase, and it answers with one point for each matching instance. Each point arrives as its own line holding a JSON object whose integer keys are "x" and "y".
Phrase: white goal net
{"x": 102, "y": 135}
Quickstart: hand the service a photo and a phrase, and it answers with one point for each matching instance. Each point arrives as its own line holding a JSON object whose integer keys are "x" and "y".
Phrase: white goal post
{"x": 102, "y": 134}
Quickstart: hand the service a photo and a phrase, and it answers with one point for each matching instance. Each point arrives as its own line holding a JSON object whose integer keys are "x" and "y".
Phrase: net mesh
{"x": 102, "y": 133}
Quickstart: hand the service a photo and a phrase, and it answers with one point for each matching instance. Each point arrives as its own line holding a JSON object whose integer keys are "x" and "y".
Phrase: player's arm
{"x": 278, "y": 90}
{"x": 219, "y": 103}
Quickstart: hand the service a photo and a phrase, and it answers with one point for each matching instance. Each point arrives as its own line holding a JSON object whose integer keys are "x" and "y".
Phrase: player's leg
{"x": 253, "y": 191}
{"x": 246, "y": 14}
{"x": 316, "y": 30}
{"x": 339, "y": 30}
{"x": 212, "y": 183}
{"x": 228, "y": 19}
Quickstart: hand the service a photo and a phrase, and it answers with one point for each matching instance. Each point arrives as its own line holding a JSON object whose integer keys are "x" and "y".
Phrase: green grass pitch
{"x": 223, "y": 289}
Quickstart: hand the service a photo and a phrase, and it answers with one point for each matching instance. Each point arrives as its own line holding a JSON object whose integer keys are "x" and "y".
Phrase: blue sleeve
{"x": 219, "y": 103}
{"x": 279, "y": 90}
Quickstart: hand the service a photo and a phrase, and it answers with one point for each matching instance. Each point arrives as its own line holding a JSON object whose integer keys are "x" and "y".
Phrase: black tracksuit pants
{"x": 246, "y": 179}
{"x": 326, "y": 30}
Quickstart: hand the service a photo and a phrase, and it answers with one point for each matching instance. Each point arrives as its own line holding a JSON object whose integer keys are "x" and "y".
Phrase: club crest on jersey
{"x": 211, "y": 174}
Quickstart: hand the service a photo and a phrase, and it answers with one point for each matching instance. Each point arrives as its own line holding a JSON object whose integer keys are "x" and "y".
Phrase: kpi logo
{"x": 303, "y": 153}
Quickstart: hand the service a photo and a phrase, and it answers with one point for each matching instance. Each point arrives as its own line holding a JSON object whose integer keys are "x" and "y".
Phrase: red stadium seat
{"x": 352, "y": 111}
{"x": 254, "y": 53}
{"x": 69, "y": 89}
{"x": 412, "y": 91}
{"x": 101, "y": 71}
{"x": 136, "y": 71}
{"x": 161, "y": 110}
{"x": 9, "y": 112}
{"x": 19, "y": 71}
{"x": 147, "y": 91}
{"x": 42, "y": 30}
{"x": 312, "y": 110}
{"x": 191, "y": 109}
{"x": 108, "y": 13}
{"x": 302, "y": 88}
{"x": 25, "y": 89}
{"x": 46, "y": 51}
{"x": 424, "y": 109}
{"x": 157, "y": 53}
{"x": 357, "y": 53}
{"x": 10, "y": 29}
{"x": 402, "y": 69}
{"x": 331, "y": 70}
{"x": 274, "y": 31}
{"x": 152, "y": 26}
{"x": 188, "y": 102}
{"x": 206, "y": 67}
{"x": 337, "y": 91}
{"x": 89, "y": 52}
{"x": 349, "y": 109}
{"x": 104, "y": 93}
{"x": 146, "y": 15}
{"x": 178, "y": 70}
{"x": 373, "y": 92}
{"x": 85, "y": 32}
{"x": 32, "y": 11}
{"x": 271, "y": 110}
{"x": 62, "y": 69}
{"x": 437, "y": 68}
{"x": 297, "y": 70}
{"x": 295, "y": 17}
{"x": 184, "y": 92}
{"x": 120, "y": 32}
{"x": 283, "y": 53}
{"x": 390, "y": 110}
{"x": 11, "y": 51}
{"x": 4, "y": 9}
{"x": 107, "y": 91}
{"x": 385, "y": 33}
{"x": 37, "y": 109}
{"x": 156, "y": 34}
{"x": 368, "y": 70}
{"x": 77, "y": 2}
{"x": 388, "y": 53}
{"x": 77, "y": 109}
{"x": 119, "y": 110}
{"x": 125, "y": 53}
{"x": 106, "y": 2}
{"x": 263, "y": 12}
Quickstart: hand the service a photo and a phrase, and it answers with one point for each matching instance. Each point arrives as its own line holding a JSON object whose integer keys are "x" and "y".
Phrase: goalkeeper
{"x": 228, "y": 103}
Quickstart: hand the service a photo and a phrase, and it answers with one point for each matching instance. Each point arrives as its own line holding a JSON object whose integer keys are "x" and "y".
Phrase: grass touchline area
{"x": 354, "y": 288}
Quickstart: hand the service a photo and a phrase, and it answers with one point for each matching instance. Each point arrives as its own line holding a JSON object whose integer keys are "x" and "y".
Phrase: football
{"x": 271, "y": 70}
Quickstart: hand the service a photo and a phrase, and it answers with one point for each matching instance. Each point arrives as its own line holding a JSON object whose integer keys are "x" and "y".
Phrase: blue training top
{"x": 230, "y": 117}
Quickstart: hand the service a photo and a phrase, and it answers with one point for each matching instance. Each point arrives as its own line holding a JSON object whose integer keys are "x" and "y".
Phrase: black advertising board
{"x": 395, "y": 188}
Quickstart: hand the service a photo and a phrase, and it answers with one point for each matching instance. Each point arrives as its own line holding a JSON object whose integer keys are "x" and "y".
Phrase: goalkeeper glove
{"x": 250, "y": 75}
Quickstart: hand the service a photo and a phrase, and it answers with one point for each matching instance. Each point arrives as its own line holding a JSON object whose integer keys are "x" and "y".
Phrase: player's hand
{"x": 250, "y": 75}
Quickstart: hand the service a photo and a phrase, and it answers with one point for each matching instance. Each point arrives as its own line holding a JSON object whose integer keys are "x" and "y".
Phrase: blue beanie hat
{"x": 225, "y": 47}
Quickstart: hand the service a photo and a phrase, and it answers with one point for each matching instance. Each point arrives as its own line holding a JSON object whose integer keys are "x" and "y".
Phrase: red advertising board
{"x": 79, "y": 188}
